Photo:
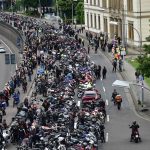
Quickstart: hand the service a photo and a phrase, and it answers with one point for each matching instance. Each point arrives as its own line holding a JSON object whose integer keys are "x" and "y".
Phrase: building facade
{"x": 129, "y": 19}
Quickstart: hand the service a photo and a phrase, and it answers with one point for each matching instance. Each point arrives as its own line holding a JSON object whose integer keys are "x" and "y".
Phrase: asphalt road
{"x": 117, "y": 126}
{"x": 6, "y": 71}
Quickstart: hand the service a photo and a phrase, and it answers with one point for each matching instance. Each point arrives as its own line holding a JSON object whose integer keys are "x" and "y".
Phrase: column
{"x": 102, "y": 22}
{"x": 107, "y": 3}
{"x": 101, "y": 3}
{"x": 108, "y": 26}
{"x": 86, "y": 19}
{"x": 97, "y": 21}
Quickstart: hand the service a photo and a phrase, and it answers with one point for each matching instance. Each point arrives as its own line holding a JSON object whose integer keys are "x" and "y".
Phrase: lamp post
{"x": 73, "y": 11}
{"x": 57, "y": 7}
{"x": 40, "y": 8}
{"x": 2, "y": 5}
{"x": 116, "y": 23}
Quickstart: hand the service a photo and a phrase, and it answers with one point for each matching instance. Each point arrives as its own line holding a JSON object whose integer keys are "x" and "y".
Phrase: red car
{"x": 90, "y": 96}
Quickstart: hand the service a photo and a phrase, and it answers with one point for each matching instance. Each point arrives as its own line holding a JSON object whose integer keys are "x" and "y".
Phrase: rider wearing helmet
{"x": 134, "y": 128}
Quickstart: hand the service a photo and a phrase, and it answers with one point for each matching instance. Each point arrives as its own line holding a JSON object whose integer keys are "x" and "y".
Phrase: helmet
{"x": 134, "y": 122}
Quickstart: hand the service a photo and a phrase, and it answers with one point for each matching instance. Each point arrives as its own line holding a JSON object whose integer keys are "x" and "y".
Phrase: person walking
{"x": 120, "y": 65}
{"x": 98, "y": 72}
{"x": 104, "y": 72}
{"x": 114, "y": 65}
{"x": 88, "y": 49}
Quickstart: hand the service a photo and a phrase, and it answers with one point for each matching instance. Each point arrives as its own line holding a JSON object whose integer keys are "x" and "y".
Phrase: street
{"x": 118, "y": 121}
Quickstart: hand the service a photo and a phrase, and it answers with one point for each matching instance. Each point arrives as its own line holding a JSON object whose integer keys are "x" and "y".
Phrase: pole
{"x": 2, "y": 5}
{"x": 40, "y": 8}
{"x": 140, "y": 29}
{"x": 57, "y": 6}
{"x": 72, "y": 13}
{"x": 123, "y": 26}
{"x": 11, "y": 7}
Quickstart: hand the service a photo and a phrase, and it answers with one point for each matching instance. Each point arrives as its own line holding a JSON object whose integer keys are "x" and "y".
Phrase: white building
{"x": 130, "y": 18}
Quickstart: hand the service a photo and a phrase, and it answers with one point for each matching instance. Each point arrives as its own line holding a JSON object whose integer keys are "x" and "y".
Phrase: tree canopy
{"x": 144, "y": 60}
{"x": 80, "y": 12}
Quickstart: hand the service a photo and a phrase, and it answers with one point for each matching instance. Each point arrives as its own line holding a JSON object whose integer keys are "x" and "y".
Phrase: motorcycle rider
{"x": 118, "y": 100}
{"x": 134, "y": 128}
{"x": 114, "y": 94}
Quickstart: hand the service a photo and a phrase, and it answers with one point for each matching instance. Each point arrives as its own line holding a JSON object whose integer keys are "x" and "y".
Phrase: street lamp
{"x": 140, "y": 39}
{"x": 40, "y": 8}
{"x": 72, "y": 11}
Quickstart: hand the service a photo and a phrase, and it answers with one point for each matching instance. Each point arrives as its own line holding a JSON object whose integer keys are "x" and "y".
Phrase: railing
{"x": 12, "y": 35}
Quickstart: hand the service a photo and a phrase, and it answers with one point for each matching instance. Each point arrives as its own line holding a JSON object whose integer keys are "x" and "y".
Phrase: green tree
{"x": 80, "y": 12}
{"x": 144, "y": 60}
{"x": 66, "y": 7}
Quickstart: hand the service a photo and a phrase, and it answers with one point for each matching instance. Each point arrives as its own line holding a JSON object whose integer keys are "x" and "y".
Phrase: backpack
{"x": 118, "y": 98}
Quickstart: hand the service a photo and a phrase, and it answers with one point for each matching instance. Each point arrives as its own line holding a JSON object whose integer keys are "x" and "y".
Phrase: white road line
{"x": 101, "y": 79}
{"x": 106, "y": 137}
{"x": 79, "y": 103}
{"x": 104, "y": 88}
{"x": 106, "y": 102}
{"x": 7, "y": 46}
{"x": 75, "y": 125}
{"x": 107, "y": 118}
{"x": 16, "y": 66}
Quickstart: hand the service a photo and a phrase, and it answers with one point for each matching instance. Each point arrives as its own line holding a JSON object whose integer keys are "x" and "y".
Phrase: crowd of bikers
{"x": 53, "y": 53}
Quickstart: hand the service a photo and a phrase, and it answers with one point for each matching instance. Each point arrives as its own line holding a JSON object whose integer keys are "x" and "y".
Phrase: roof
{"x": 90, "y": 92}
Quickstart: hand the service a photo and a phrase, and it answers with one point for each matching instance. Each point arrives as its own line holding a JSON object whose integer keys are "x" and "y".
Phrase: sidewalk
{"x": 129, "y": 75}
{"x": 12, "y": 111}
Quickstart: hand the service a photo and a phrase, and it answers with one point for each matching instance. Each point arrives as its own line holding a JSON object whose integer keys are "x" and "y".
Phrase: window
{"x": 104, "y": 3}
{"x": 105, "y": 25}
{"x": 95, "y": 21}
{"x": 130, "y": 5}
{"x": 99, "y": 22}
{"x": 94, "y": 2}
{"x": 86, "y": 1}
{"x": 91, "y": 21}
{"x": 131, "y": 31}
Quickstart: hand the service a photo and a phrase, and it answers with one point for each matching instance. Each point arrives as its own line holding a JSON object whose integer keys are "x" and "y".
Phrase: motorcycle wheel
{"x": 79, "y": 95}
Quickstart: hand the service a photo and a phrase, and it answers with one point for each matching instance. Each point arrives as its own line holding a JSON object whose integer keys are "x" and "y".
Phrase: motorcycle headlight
{"x": 3, "y": 142}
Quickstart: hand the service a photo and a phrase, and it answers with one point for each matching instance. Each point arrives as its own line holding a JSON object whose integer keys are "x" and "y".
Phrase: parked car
{"x": 90, "y": 96}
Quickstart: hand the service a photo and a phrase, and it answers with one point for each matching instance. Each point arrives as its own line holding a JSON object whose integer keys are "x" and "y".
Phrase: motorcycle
{"x": 136, "y": 138}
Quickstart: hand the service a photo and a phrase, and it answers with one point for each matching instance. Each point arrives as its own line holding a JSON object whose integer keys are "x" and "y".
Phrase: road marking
{"x": 79, "y": 103}
{"x": 106, "y": 102}
{"x": 104, "y": 88}
{"x": 7, "y": 46}
{"x": 101, "y": 79}
{"x": 75, "y": 125}
{"x": 106, "y": 137}
{"x": 107, "y": 118}
{"x": 16, "y": 66}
